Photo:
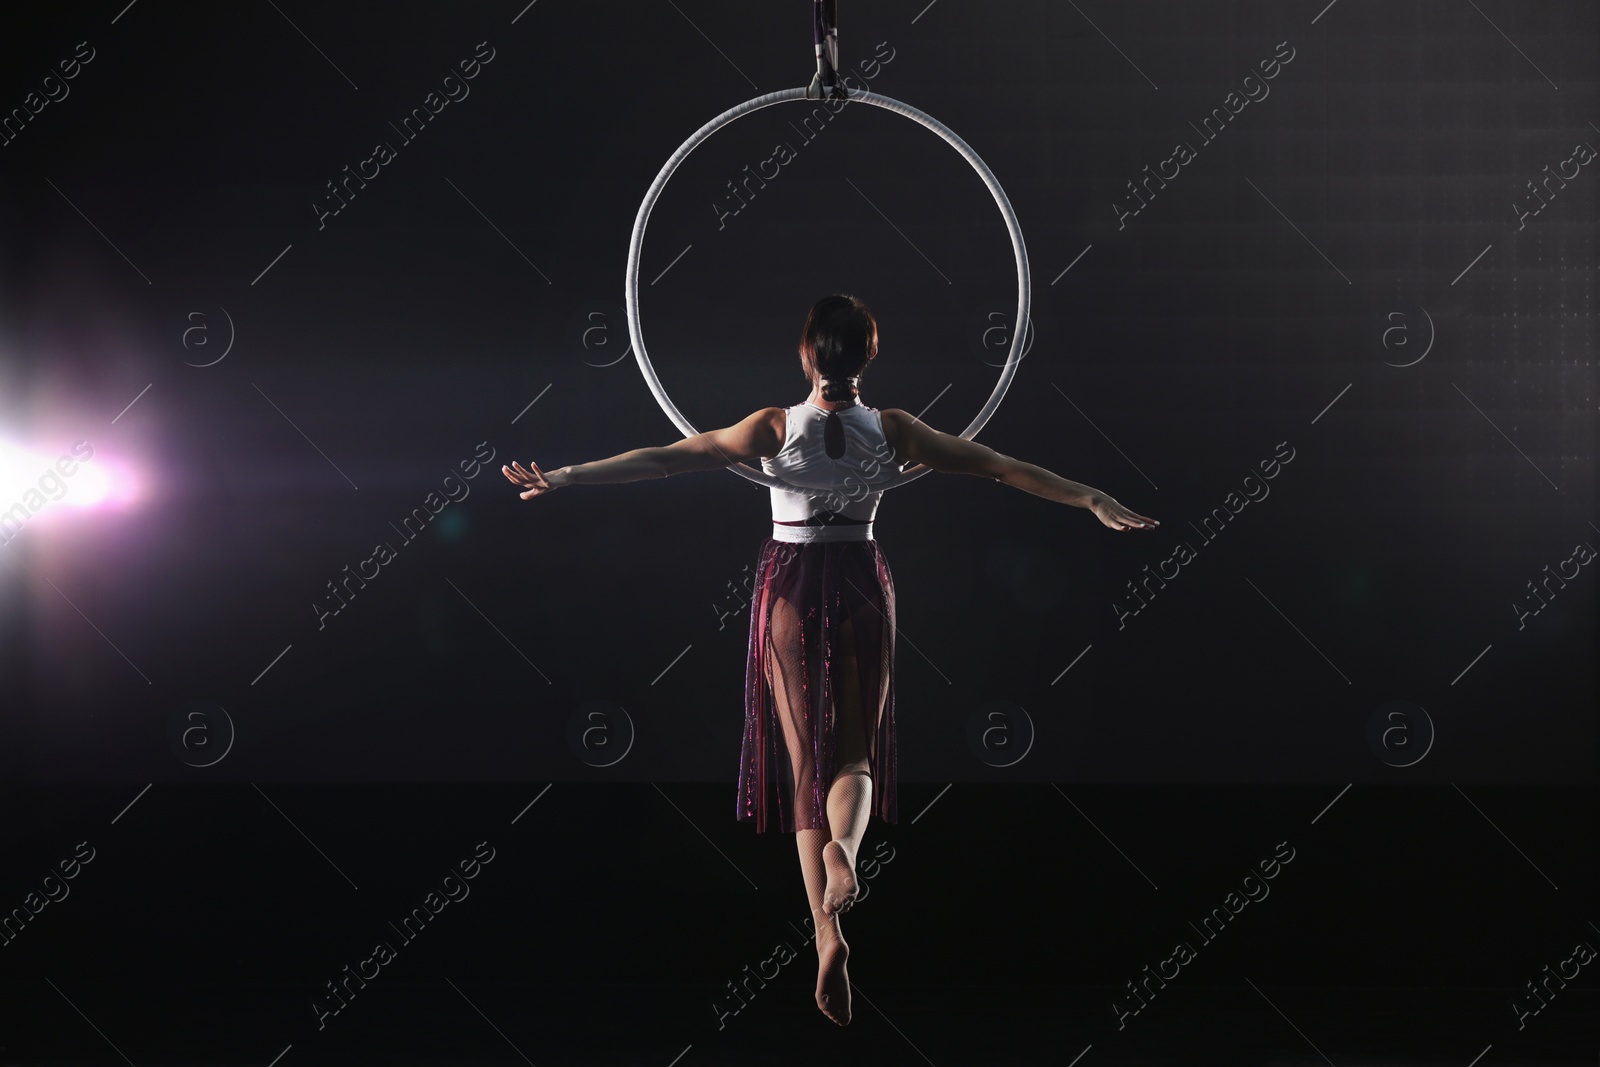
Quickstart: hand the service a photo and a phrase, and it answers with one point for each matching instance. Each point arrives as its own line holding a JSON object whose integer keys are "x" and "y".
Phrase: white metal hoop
{"x": 636, "y": 332}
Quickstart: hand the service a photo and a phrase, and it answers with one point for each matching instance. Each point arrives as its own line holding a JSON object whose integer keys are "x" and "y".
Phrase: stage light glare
{"x": 18, "y": 469}
{"x": 31, "y": 482}
{"x": 89, "y": 486}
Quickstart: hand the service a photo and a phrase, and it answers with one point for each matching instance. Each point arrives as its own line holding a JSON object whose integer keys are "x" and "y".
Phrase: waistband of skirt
{"x": 802, "y": 534}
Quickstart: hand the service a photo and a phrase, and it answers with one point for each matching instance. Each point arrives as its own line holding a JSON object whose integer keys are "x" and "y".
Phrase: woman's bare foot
{"x": 842, "y": 888}
{"x": 833, "y": 981}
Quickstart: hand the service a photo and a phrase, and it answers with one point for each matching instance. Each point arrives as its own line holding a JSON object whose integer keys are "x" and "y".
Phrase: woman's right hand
{"x": 1118, "y": 517}
{"x": 535, "y": 481}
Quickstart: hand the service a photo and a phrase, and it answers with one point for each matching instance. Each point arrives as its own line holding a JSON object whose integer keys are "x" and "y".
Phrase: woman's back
{"x": 846, "y": 465}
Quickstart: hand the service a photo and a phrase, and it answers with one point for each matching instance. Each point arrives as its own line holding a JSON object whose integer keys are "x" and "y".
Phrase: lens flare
{"x": 90, "y": 485}
{"x": 31, "y": 481}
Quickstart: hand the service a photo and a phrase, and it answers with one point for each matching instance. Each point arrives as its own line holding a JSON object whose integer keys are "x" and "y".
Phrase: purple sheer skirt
{"x": 805, "y": 592}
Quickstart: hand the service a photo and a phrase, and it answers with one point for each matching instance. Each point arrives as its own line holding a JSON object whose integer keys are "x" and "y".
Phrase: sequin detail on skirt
{"x": 804, "y": 594}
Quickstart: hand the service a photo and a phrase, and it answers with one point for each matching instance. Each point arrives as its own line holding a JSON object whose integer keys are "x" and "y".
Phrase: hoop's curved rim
{"x": 636, "y": 244}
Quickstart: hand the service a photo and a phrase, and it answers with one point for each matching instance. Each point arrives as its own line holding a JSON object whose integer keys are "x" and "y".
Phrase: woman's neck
{"x": 832, "y": 405}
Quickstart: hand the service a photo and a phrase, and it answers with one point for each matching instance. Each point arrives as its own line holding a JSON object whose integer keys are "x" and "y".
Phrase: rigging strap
{"x": 825, "y": 33}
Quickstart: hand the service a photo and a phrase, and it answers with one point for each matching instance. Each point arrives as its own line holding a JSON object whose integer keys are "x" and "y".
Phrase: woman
{"x": 819, "y": 683}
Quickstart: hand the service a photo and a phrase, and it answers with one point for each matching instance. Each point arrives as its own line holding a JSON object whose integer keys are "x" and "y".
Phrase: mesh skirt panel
{"x": 805, "y": 593}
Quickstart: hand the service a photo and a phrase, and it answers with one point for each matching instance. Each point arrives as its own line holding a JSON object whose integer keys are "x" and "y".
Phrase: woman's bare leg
{"x": 850, "y": 794}
{"x": 833, "y": 981}
{"x": 833, "y": 985}
{"x": 848, "y": 805}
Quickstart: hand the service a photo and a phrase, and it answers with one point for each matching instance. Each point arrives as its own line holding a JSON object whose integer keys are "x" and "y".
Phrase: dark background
{"x": 1359, "y": 215}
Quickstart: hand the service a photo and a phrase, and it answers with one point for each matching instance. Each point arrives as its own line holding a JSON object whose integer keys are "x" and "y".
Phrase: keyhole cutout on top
{"x": 833, "y": 435}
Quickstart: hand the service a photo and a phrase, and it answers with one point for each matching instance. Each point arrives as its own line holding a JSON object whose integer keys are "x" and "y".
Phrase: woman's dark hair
{"x": 839, "y": 337}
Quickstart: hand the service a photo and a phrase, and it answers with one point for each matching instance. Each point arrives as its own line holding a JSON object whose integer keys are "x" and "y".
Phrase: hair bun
{"x": 836, "y": 389}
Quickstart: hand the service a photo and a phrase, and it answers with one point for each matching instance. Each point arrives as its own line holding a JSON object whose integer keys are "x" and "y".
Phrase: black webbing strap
{"x": 825, "y": 33}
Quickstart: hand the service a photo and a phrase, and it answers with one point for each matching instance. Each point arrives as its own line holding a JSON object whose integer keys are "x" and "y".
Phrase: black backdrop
{"x": 1374, "y": 264}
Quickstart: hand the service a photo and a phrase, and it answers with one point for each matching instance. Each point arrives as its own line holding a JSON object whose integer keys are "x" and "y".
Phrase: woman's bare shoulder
{"x": 777, "y": 420}
{"x": 900, "y": 429}
{"x": 897, "y": 420}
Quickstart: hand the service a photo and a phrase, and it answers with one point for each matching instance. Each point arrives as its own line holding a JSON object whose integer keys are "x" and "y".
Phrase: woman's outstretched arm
{"x": 918, "y": 443}
{"x": 755, "y": 436}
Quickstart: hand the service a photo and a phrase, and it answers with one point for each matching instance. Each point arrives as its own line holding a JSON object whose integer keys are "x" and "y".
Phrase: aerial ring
{"x": 636, "y": 332}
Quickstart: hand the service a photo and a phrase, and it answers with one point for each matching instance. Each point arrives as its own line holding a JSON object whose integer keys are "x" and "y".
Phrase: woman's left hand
{"x": 1118, "y": 517}
{"x": 536, "y": 482}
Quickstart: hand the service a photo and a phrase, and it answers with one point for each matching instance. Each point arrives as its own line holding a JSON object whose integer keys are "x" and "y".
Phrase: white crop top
{"x": 847, "y": 480}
